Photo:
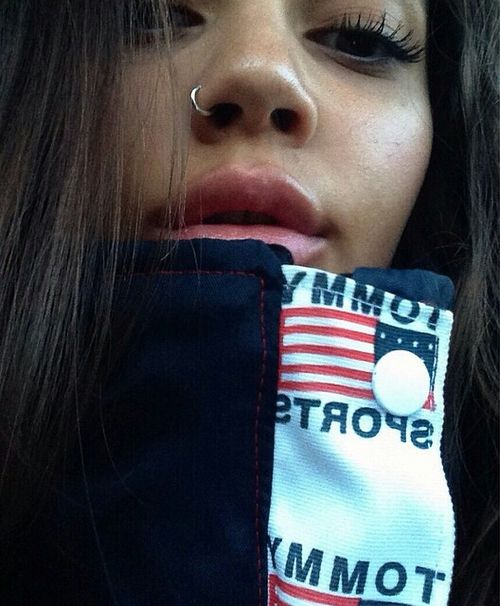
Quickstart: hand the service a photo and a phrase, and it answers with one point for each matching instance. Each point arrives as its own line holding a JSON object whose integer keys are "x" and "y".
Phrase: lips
{"x": 261, "y": 203}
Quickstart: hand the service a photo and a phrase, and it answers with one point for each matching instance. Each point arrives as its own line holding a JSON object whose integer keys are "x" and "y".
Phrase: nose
{"x": 254, "y": 85}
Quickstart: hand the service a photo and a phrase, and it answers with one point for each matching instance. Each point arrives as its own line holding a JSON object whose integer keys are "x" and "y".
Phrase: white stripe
{"x": 333, "y": 397}
{"x": 289, "y": 358}
{"x": 294, "y": 601}
{"x": 329, "y": 322}
{"x": 351, "y": 344}
{"x": 304, "y": 377}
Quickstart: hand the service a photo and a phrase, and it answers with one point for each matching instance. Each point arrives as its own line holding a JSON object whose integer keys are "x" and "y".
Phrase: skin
{"x": 361, "y": 134}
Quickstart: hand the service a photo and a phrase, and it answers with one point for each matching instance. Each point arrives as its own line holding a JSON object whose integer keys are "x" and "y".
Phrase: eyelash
{"x": 371, "y": 30}
{"x": 374, "y": 31}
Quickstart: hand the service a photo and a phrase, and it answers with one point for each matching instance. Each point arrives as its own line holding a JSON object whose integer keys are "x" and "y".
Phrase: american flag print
{"x": 282, "y": 593}
{"x": 334, "y": 351}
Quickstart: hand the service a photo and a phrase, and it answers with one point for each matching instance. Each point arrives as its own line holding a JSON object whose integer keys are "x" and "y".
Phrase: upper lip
{"x": 266, "y": 190}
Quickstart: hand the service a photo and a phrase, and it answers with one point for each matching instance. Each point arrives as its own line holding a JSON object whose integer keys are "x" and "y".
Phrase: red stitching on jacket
{"x": 259, "y": 396}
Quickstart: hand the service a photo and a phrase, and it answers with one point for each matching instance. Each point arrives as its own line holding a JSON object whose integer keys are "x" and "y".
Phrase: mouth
{"x": 242, "y": 217}
{"x": 237, "y": 203}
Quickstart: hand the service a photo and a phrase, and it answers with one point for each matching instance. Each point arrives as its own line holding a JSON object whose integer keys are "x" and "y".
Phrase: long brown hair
{"x": 454, "y": 230}
{"x": 61, "y": 170}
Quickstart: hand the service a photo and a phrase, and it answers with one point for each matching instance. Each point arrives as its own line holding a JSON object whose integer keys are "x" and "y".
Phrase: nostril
{"x": 224, "y": 113}
{"x": 283, "y": 118}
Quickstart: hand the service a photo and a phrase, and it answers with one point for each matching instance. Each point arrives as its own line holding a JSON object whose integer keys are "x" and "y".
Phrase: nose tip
{"x": 256, "y": 103}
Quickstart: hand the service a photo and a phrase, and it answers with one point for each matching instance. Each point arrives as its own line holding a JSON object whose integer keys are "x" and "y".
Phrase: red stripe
{"x": 307, "y": 594}
{"x": 345, "y": 390}
{"x": 323, "y": 369}
{"x": 322, "y": 312}
{"x": 328, "y": 331}
{"x": 326, "y": 350}
{"x": 430, "y": 403}
{"x": 281, "y": 344}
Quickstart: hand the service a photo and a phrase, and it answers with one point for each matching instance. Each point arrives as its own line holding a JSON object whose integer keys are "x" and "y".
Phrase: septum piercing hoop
{"x": 201, "y": 111}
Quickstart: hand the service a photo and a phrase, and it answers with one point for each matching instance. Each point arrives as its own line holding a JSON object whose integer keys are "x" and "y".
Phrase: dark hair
{"x": 454, "y": 230}
{"x": 61, "y": 168}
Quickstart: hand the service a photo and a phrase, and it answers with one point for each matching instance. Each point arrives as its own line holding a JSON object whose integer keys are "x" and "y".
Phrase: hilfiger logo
{"x": 336, "y": 291}
{"x": 344, "y": 575}
{"x": 282, "y": 593}
{"x": 334, "y": 352}
{"x": 360, "y": 513}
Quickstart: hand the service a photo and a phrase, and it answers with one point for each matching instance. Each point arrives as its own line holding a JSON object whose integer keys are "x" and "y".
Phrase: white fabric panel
{"x": 360, "y": 507}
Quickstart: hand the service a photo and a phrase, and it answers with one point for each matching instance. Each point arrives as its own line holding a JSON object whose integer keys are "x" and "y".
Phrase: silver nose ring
{"x": 201, "y": 111}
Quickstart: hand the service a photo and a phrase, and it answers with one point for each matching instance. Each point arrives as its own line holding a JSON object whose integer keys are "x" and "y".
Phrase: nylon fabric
{"x": 208, "y": 477}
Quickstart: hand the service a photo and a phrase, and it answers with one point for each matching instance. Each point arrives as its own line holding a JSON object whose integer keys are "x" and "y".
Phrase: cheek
{"x": 153, "y": 134}
{"x": 393, "y": 146}
{"x": 388, "y": 158}
{"x": 399, "y": 148}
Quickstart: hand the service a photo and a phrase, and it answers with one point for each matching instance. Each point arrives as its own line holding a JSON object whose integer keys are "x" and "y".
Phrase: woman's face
{"x": 355, "y": 137}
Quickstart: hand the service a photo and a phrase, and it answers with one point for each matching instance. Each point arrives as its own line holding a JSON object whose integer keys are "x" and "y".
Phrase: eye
{"x": 145, "y": 23}
{"x": 369, "y": 42}
{"x": 181, "y": 17}
{"x": 359, "y": 44}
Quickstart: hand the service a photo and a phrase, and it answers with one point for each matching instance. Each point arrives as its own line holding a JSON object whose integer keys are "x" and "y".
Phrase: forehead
{"x": 413, "y": 9}
{"x": 333, "y": 4}
{"x": 409, "y": 4}
{"x": 416, "y": 7}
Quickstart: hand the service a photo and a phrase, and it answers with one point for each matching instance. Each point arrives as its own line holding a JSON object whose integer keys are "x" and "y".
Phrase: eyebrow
{"x": 414, "y": 10}
{"x": 406, "y": 4}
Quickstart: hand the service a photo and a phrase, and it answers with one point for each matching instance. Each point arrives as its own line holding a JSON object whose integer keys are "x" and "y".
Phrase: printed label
{"x": 361, "y": 513}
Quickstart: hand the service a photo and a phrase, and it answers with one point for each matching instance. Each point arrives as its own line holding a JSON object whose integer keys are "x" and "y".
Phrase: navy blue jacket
{"x": 172, "y": 505}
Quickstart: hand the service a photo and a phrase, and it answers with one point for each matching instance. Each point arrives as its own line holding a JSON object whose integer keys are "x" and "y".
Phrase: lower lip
{"x": 303, "y": 248}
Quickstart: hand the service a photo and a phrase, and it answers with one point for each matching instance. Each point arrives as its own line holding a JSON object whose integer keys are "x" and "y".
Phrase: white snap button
{"x": 401, "y": 382}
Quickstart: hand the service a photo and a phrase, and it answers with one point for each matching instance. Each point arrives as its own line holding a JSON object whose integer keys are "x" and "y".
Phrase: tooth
{"x": 241, "y": 217}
